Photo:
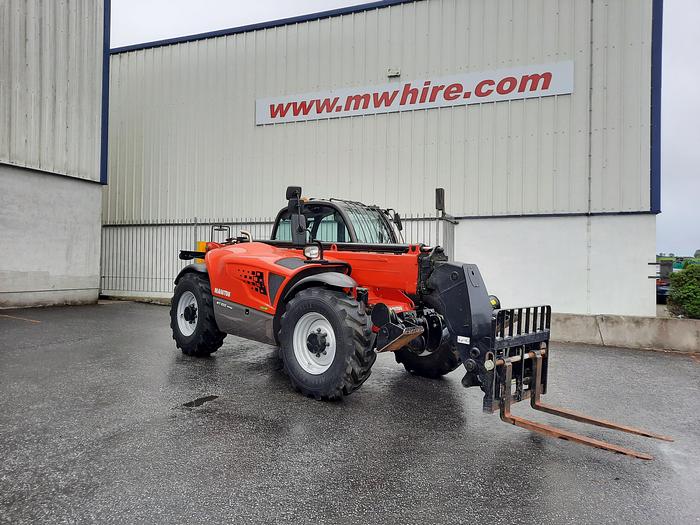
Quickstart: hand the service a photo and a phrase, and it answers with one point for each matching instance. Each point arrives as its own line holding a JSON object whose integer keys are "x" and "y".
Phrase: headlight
{"x": 311, "y": 252}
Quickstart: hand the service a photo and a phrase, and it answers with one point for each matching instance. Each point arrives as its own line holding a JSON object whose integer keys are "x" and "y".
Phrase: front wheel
{"x": 192, "y": 317}
{"x": 325, "y": 343}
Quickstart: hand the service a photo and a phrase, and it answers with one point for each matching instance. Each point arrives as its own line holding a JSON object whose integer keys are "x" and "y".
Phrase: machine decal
{"x": 223, "y": 292}
{"x": 223, "y": 304}
{"x": 253, "y": 278}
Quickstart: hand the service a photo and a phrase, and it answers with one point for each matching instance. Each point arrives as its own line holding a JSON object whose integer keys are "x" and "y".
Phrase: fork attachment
{"x": 520, "y": 339}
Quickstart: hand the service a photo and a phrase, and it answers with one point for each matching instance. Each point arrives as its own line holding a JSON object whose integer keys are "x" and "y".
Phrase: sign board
{"x": 457, "y": 90}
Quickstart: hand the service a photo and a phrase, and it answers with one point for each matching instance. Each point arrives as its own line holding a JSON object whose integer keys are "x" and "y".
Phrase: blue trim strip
{"x": 104, "y": 124}
{"x": 657, "y": 22}
{"x": 262, "y": 25}
{"x": 550, "y": 215}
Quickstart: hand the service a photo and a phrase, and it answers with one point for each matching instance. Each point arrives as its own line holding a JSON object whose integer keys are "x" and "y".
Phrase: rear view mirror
{"x": 293, "y": 192}
{"x": 440, "y": 199}
{"x": 397, "y": 221}
{"x": 298, "y": 229}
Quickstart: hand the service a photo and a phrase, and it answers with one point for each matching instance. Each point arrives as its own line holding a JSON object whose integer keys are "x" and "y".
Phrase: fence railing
{"x": 141, "y": 260}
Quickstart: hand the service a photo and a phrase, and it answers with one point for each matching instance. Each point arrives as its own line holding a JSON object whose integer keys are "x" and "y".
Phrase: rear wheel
{"x": 192, "y": 317}
{"x": 434, "y": 364}
{"x": 325, "y": 343}
{"x": 429, "y": 364}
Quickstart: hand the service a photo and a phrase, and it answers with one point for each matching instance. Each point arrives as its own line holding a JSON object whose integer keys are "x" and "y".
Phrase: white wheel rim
{"x": 185, "y": 305}
{"x": 311, "y": 361}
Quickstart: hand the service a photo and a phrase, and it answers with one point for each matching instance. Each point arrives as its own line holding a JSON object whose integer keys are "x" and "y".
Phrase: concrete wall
{"x": 50, "y": 231}
{"x": 579, "y": 265}
{"x": 658, "y": 333}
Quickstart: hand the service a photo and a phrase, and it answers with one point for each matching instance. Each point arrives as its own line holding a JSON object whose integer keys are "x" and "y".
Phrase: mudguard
{"x": 194, "y": 267}
{"x": 330, "y": 278}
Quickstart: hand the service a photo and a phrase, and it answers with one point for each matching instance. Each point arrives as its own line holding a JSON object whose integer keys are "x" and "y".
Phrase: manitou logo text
{"x": 221, "y": 291}
{"x": 458, "y": 90}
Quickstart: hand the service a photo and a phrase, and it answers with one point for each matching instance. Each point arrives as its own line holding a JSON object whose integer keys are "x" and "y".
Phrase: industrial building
{"x": 540, "y": 120}
{"x": 54, "y": 60}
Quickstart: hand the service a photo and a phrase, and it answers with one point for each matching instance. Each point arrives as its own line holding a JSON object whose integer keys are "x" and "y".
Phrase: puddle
{"x": 199, "y": 401}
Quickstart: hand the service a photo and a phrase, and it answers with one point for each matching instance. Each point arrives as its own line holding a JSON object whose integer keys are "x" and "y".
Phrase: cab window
{"x": 323, "y": 223}
{"x": 329, "y": 228}
{"x": 284, "y": 230}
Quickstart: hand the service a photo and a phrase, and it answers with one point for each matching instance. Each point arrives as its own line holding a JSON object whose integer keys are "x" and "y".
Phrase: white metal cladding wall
{"x": 51, "y": 85}
{"x": 183, "y": 140}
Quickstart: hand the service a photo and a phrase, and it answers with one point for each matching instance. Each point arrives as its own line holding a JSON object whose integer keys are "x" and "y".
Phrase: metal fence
{"x": 141, "y": 260}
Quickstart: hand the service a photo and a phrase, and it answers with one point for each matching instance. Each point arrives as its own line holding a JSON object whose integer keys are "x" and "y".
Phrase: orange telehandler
{"x": 335, "y": 285}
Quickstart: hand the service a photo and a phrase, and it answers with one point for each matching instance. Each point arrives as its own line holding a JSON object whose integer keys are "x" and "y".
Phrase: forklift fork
{"x": 534, "y": 392}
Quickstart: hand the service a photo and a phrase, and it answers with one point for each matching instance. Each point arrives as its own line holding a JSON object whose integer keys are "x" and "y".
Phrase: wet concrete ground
{"x": 93, "y": 429}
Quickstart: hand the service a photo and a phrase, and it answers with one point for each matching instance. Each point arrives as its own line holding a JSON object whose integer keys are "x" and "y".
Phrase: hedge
{"x": 684, "y": 295}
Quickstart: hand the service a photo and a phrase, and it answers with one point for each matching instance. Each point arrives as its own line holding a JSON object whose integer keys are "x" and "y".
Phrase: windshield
{"x": 370, "y": 226}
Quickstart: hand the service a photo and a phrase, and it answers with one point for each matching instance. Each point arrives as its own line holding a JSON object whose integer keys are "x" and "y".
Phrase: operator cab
{"x": 335, "y": 221}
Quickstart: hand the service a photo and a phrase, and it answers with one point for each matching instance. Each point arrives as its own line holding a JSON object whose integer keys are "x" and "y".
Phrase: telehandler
{"x": 335, "y": 285}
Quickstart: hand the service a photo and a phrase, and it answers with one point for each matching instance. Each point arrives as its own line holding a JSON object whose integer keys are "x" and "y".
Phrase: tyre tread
{"x": 358, "y": 363}
{"x": 441, "y": 362}
{"x": 211, "y": 338}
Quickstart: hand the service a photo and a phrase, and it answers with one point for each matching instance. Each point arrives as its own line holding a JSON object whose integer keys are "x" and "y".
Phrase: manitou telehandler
{"x": 335, "y": 285}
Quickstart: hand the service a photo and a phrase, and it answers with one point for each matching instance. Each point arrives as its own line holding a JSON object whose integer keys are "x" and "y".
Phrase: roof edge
{"x": 262, "y": 25}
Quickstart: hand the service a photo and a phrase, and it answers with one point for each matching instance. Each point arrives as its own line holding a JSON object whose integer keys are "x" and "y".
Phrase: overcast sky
{"x": 678, "y": 226}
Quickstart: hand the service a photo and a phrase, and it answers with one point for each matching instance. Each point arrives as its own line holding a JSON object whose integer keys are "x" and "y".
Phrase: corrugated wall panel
{"x": 137, "y": 260}
{"x": 621, "y": 106}
{"x": 184, "y": 143}
{"x": 50, "y": 85}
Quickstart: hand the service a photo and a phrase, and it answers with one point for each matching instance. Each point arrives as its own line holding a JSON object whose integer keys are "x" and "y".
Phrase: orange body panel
{"x": 240, "y": 273}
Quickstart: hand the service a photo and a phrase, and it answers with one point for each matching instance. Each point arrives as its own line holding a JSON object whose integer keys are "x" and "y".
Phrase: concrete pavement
{"x": 93, "y": 428}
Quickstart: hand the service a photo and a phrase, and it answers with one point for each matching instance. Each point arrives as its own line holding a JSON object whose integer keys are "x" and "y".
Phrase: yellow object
{"x": 201, "y": 247}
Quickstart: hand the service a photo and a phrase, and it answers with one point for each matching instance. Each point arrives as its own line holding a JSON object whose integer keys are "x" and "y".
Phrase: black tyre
{"x": 192, "y": 316}
{"x": 325, "y": 343}
{"x": 430, "y": 364}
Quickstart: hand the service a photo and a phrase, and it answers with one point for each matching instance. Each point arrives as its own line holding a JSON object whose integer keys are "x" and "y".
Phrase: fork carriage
{"x": 520, "y": 359}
